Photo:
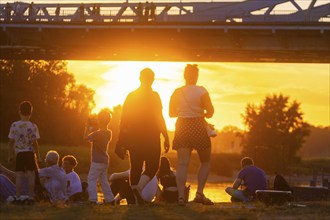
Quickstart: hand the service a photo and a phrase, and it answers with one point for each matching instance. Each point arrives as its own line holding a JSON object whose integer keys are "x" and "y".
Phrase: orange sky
{"x": 231, "y": 85}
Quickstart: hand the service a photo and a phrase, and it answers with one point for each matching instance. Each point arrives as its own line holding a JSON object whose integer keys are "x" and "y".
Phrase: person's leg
{"x": 204, "y": 169}
{"x": 91, "y": 179}
{"x": 31, "y": 182}
{"x": 152, "y": 159}
{"x": 19, "y": 180}
{"x": 236, "y": 194}
{"x": 136, "y": 163}
{"x": 182, "y": 169}
{"x": 105, "y": 186}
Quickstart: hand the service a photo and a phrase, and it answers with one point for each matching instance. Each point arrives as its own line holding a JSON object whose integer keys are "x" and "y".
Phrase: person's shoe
{"x": 137, "y": 195}
{"x": 200, "y": 198}
{"x": 181, "y": 202}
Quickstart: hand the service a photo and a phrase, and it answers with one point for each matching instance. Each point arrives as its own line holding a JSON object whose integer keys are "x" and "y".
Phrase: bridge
{"x": 245, "y": 31}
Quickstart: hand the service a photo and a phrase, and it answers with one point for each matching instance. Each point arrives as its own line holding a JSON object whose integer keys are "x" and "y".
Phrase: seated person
{"x": 251, "y": 178}
{"x": 7, "y": 184}
{"x": 167, "y": 179}
{"x": 74, "y": 187}
{"x": 53, "y": 178}
{"x": 121, "y": 189}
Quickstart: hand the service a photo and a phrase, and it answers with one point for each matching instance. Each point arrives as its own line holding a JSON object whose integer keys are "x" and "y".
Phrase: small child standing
{"x": 23, "y": 136}
{"x": 100, "y": 158}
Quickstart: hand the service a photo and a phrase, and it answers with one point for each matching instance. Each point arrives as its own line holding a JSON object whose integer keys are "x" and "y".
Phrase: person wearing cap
{"x": 142, "y": 122}
{"x": 53, "y": 178}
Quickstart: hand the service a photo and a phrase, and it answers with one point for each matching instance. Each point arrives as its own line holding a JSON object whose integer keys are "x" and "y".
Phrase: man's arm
{"x": 237, "y": 183}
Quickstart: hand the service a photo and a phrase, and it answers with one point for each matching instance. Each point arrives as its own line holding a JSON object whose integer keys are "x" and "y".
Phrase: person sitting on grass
{"x": 167, "y": 179}
{"x": 8, "y": 188}
{"x": 119, "y": 183}
{"x": 53, "y": 178}
{"x": 251, "y": 177}
{"x": 74, "y": 187}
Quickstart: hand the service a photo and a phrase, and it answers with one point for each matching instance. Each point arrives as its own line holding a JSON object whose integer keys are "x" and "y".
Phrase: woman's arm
{"x": 207, "y": 105}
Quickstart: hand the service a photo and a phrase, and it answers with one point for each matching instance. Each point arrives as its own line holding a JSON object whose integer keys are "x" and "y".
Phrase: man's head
{"x": 246, "y": 161}
{"x": 147, "y": 77}
{"x": 191, "y": 73}
{"x": 104, "y": 117}
{"x": 25, "y": 108}
{"x": 52, "y": 158}
{"x": 69, "y": 162}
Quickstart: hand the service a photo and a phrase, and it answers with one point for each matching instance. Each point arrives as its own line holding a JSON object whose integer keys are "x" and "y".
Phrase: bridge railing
{"x": 245, "y": 11}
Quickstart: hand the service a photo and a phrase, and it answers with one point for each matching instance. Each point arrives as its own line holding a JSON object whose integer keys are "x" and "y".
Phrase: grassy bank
{"x": 316, "y": 210}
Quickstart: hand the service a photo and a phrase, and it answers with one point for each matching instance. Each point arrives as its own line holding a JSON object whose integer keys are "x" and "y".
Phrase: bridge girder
{"x": 202, "y": 42}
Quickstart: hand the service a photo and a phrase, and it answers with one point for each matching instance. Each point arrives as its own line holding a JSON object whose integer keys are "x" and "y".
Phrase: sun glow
{"x": 231, "y": 85}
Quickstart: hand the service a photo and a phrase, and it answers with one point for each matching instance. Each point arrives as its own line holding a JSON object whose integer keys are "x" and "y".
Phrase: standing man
{"x": 142, "y": 123}
{"x": 252, "y": 178}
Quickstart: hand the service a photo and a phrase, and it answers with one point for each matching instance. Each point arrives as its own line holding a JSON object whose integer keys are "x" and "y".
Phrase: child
{"x": 100, "y": 159}
{"x": 74, "y": 187}
{"x": 23, "y": 136}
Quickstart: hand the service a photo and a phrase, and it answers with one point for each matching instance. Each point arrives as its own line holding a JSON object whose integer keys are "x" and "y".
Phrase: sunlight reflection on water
{"x": 214, "y": 191}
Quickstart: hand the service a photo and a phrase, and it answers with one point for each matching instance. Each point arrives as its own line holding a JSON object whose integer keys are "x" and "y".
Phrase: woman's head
{"x": 191, "y": 73}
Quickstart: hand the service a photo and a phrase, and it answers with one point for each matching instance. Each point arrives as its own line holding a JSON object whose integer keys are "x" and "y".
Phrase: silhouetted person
{"x": 57, "y": 12}
{"x": 96, "y": 12}
{"x": 31, "y": 15}
{"x": 142, "y": 123}
{"x": 152, "y": 11}
{"x": 139, "y": 12}
{"x": 8, "y": 10}
{"x": 191, "y": 104}
{"x": 81, "y": 12}
{"x": 167, "y": 179}
{"x": 146, "y": 11}
{"x": 252, "y": 178}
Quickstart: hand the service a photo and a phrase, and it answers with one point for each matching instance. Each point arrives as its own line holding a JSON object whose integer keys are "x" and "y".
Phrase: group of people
{"x": 141, "y": 127}
{"x": 16, "y": 12}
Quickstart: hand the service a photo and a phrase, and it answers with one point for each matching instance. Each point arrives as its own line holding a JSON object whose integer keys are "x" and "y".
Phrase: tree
{"x": 61, "y": 107}
{"x": 275, "y": 132}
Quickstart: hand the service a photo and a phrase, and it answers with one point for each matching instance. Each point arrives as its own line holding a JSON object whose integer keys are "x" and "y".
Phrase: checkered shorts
{"x": 191, "y": 133}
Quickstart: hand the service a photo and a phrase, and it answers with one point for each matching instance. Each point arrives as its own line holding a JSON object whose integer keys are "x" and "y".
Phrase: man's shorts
{"x": 25, "y": 161}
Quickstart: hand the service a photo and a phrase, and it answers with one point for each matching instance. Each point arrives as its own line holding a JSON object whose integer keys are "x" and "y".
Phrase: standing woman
{"x": 141, "y": 124}
{"x": 191, "y": 104}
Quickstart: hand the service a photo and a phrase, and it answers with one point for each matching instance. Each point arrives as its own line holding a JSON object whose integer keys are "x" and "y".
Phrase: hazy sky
{"x": 231, "y": 85}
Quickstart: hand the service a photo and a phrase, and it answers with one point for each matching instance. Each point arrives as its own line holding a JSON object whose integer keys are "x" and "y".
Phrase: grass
{"x": 315, "y": 210}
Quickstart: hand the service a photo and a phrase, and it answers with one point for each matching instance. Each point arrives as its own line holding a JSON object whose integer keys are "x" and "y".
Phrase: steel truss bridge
{"x": 246, "y": 31}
